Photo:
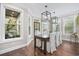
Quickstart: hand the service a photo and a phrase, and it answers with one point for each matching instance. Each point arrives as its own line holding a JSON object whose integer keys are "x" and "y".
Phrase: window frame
{"x": 74, "y": 24}
{"x": 11, "y": 7}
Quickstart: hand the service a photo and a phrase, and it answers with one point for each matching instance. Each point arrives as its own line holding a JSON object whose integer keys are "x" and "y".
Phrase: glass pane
{"x": 69, "y": 25}
{"x": 77, "y": 23}
{"x": 77, "y": 20}
{"x": 12, "y": 24}
{"x": 37, "y": 28}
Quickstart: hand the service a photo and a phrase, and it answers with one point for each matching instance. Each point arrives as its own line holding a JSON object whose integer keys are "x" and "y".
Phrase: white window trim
{"x": 74, "y": 23}
{"x": 3, "y": 6}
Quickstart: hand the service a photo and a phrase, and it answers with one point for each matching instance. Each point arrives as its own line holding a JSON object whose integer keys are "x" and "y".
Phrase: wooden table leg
{"x": 41, "y": 45}
{"x": 34, "y": 46}
{"x": 45, "y": 47}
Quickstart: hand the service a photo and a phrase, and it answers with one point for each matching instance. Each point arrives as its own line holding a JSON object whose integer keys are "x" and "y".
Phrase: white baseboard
{"x": 29, "y": 42}
{"x": 14, "y": 48}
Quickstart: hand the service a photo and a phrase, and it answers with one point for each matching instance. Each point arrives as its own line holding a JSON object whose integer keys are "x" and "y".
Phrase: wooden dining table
{"x": 44, "y": 39}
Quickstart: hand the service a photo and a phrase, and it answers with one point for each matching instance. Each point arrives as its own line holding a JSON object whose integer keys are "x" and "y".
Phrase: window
{"x": 77, "y": 23}
{"x": 37, "y": 26}
{"x": 69, "y": 25}
{"x": 12, "y": 24}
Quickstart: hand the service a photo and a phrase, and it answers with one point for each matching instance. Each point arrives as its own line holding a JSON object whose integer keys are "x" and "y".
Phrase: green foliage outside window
{"x": 77, "y": 20}
{"x": 12, "y": 24}
{"x": 11, "y": 29}
{"x": 69, "y": 26}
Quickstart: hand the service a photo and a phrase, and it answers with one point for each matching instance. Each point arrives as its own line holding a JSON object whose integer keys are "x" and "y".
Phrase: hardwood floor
{"x": 65, "y": 49}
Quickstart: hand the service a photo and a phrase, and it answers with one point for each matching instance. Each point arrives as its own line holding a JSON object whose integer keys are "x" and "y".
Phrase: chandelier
{"x": 46, "y": 26}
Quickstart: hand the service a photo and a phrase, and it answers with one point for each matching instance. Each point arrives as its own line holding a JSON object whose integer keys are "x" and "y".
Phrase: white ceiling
{"x": 60, "y": 8}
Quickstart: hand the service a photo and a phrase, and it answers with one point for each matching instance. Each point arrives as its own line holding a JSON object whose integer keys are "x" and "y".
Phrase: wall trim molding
{"x": 14, "y": 48}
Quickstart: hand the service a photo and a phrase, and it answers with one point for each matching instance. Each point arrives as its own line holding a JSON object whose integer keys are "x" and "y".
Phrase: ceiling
{"x": 59, "y": 8}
